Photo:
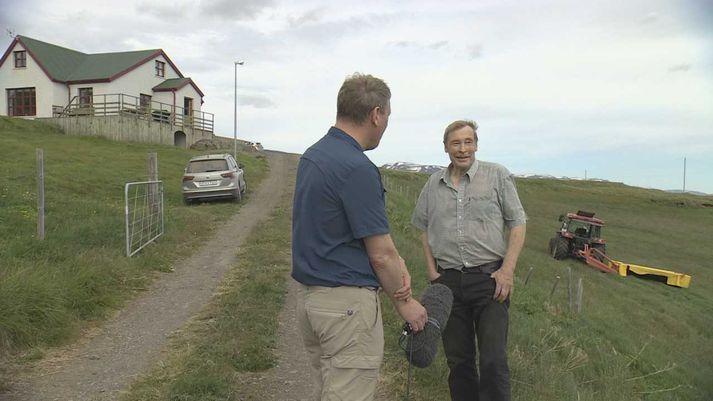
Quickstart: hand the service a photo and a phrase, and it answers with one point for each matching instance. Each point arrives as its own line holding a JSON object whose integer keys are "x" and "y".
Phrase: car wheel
{"x": 237, "y": 196}
{"x": 245, "y": 187}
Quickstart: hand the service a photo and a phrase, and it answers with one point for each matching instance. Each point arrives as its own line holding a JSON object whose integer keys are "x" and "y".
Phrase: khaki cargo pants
{"x": 344, "y": 336}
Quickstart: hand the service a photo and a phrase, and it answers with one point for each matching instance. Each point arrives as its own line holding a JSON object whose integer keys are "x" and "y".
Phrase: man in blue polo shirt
{"x": 342, "y": 252}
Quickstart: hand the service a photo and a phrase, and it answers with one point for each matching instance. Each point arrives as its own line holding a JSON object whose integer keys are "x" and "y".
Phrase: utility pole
{"x": 684, "y": 174}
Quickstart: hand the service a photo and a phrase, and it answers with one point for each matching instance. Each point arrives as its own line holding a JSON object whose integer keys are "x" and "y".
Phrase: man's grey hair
{"x": 359, "y": 95}
{"x": 458, "y": 124}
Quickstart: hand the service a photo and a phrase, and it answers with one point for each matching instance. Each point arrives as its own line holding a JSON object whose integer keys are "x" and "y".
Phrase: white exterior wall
{"x": 141, "y": 80}
{"x": 47, "y": 92}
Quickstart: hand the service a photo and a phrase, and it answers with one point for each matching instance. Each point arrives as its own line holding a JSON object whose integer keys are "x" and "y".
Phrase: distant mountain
{"x": 678, "y": 191}
{"x": 413, "y": 167}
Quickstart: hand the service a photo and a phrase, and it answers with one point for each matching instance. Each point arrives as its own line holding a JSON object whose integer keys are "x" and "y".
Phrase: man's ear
{"x": 374, "y": 115}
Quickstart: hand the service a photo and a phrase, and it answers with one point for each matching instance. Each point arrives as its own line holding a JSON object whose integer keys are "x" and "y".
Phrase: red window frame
{"x": 160, "y": 69}
{"x": 21, "y": 102}
{"x": 20, "y": 58}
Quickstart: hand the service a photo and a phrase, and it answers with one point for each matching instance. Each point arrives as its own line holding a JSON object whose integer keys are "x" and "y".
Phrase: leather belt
{"x": 488, "y": 268}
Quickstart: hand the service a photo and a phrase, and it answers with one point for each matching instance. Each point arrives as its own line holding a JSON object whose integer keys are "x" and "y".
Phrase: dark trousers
{"x": 475, "y": 313}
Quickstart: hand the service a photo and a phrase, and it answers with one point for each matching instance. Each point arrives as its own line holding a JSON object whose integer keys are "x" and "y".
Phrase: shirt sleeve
{"x": 513, "y": 212}
{"x": 363, "y": 199}
{"x": 419, "y": 218}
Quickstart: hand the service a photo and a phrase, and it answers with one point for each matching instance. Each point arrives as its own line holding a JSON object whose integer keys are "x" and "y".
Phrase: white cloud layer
{"x": 621, "y": 89}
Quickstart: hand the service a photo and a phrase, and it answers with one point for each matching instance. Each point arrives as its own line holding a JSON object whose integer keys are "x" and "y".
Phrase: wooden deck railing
{"x": 122, "y": 104}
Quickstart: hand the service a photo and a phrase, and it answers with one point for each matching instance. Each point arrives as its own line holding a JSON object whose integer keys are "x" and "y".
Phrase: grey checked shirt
{"x": 466, "y": 225}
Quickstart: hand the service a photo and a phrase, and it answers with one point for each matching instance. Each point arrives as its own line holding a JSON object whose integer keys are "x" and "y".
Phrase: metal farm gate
{"x": 143, "y": 214}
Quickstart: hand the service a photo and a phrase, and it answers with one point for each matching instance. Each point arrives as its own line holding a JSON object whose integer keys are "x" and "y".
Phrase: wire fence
{"x": 143, "y": 214}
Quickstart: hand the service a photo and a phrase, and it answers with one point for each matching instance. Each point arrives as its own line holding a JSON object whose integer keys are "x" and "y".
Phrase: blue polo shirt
{"x": 339, "y": 200}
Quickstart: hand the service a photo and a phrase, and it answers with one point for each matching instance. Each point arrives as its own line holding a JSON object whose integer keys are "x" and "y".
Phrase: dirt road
{"x": 102, "y": 364}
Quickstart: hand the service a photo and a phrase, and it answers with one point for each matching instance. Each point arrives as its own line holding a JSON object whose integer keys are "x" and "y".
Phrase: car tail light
{"x": 187, "y": 178}
{"x": 228, "y": 175}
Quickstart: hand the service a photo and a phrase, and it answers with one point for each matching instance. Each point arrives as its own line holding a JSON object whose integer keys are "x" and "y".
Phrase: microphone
{"x": 421, "y": 347}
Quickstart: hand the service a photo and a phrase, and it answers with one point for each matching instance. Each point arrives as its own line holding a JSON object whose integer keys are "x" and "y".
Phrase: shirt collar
{"x": 340, "y": 134}
{"x": 445, "y": 173}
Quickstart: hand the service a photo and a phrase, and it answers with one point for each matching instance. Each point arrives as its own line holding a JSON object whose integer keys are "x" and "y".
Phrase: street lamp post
{"x": 235, "y": 112}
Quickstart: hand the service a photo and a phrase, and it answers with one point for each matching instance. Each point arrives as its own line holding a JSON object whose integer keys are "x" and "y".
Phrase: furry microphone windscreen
{"x": 421, "y": 347}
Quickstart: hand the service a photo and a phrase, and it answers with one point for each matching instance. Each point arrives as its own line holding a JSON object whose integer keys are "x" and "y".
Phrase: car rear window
{"x": 206, "y": 166}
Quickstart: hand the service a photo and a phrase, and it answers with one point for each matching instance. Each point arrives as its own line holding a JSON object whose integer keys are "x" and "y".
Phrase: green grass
{"x": 634, "y": 340}
{"x": 236, "y": 332}
{"x": 51, "y": 288}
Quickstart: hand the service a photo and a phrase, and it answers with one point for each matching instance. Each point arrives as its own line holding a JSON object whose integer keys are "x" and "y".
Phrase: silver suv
{"x": 213, "y": 176}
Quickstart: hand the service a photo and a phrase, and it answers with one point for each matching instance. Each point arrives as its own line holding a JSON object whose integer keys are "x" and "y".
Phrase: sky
{"x": 611, "y": 89}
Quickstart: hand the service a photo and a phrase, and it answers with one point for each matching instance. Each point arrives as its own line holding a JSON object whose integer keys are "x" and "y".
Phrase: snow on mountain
{"x": 418, "y": 168}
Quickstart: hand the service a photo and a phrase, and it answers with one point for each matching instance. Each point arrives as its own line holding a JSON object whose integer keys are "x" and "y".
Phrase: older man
{"x": 473, "y": 231}
{"x": 341, "y": 248}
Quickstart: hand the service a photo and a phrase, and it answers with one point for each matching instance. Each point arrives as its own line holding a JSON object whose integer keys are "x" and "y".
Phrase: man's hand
{"x": 404, "y": 293}
{"x": 413, "y": 313}
{"x": 433, "y": 275}
{"x": 503, "y": 284}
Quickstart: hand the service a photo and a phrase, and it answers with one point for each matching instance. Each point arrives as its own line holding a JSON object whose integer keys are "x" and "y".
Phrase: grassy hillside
{"x": 634, "y": 339}
{"x": 50, "y": 289}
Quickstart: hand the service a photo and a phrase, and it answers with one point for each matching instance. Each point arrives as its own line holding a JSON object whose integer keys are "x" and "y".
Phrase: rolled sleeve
{"x": 513, "y": 212}
{"x": 419, "y": 218}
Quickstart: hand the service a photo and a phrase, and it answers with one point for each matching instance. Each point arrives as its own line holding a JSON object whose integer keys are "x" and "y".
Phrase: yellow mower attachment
{"x": 672, "y": 278}
{"x": 597, "y": 259}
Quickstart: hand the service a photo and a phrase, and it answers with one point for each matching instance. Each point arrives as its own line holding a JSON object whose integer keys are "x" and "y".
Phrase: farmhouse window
{"x": 85, "y": 96}
{"x": 21, "y": 102}
{"x": 20, "y": 59}
{"x": 145, "y": 102}
{"x": 160, "y": 69}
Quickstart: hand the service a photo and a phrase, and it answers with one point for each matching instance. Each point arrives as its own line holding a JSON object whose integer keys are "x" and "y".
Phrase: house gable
{"x": 70, "y": 66}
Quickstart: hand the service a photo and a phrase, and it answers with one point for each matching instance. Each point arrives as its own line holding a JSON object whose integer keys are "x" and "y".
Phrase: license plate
{"x": 207, "y": 183}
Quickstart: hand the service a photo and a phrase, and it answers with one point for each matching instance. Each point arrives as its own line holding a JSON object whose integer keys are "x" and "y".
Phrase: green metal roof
{"x": 173, "y": 83}
{"x": 66, "y": 65}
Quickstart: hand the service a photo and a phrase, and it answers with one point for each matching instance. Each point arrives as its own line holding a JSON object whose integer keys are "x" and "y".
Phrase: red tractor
{"x": 579, "y": 233}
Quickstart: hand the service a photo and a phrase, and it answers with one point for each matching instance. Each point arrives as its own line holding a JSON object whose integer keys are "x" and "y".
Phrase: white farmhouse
{"x": 135, "y": 95}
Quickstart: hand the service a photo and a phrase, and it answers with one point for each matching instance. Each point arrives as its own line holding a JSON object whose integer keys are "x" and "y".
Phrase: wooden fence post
{"x": 40, "y": 194}
{"x": 554, "y": 286}
{"x": 527, "y": 278}
{"x": 152, "y": 176}
{"x": 580, "y": 290}
{"x": 570, "y": 300}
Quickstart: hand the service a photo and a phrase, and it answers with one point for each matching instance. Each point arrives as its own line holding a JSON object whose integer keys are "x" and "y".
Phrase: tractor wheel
{"x": 601, "y": 248}
{"x": 559, "y": 248}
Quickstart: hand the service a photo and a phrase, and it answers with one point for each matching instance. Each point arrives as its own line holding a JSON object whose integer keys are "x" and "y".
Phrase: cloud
{"x": 650, "y": 18}
{"x": 475, "y": 51}
{"x": 438, "y": 45}
{"x": 420, "y": 46}
{"x": 307, "y": 18}
{"x": 257, "y": 101}
{"x": 230, "y": 9}
{"x": 165, "y": 10}
{"x": 679, "y": 68}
